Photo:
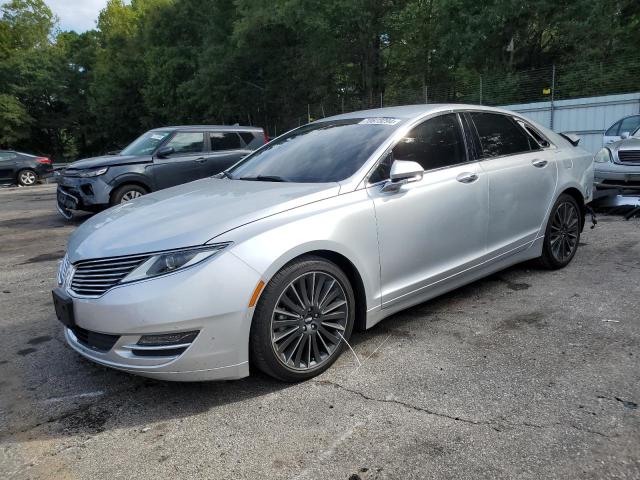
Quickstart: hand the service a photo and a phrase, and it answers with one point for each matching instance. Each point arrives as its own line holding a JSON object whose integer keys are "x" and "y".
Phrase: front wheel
{"x": 562, "y": 235}
{"x": 303, "y": 320}
{"x": 126, "y": 193}
{"x": 27, "y": 178}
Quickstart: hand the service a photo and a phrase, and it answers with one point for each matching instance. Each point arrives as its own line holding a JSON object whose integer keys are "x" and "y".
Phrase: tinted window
{"x": 629, "y": 124}
{"x": 536, "y": 140}
{"x": 319, "y": 152}
{"x": 613, "y": 130}
{"x": 225, "y": 141}
{"x": 499, "y": 134}
{"x": 247, "y": 137}
{"x": 187, "y": 142}
{"x": 7, "y": 155}
{"x": 435, "y": 143}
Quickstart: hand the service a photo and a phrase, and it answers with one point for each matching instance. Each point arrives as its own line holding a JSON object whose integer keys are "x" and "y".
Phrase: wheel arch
{"x": 137, "y": 180}
{"x": 579, "y": 198}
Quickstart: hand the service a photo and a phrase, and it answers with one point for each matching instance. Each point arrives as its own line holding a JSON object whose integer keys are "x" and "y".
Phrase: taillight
{"x": 266, "y": 138}
{"x": 44, "y": 160}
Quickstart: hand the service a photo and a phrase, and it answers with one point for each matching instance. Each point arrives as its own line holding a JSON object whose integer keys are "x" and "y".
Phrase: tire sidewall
{"x": 548, "y": 256}
{"x": 116, "y": 198}
{"x": 262, "y": 354}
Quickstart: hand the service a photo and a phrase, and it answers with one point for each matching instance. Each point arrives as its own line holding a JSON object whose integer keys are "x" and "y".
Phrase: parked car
{"x": 334, "y": 225}
{"x": 617, "y": 166}
{"x": 158, "y": 159}
{"x": 23, "y": 168}
{"x": 623, "y": 128}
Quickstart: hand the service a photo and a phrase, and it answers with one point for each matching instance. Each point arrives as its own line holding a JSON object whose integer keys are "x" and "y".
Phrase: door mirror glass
{"x": 164, "y": 152}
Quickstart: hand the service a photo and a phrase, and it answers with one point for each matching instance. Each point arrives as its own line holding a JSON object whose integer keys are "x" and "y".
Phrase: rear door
{"x": 226, "y": 148}
{"x": 433, "y": 228}
{"x": 522, "y": 176}
{"x": 185, "y": 164}
{"x": 7, "y": 166}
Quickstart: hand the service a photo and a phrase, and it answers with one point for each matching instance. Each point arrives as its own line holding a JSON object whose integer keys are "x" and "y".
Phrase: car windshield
{"x": 145, "y": 144}
{"x": 320, "y": 152}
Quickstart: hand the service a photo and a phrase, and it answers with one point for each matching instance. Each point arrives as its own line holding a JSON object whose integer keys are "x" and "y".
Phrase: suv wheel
{"x": 302, "y": 321}
{"x": 126, "y": 193}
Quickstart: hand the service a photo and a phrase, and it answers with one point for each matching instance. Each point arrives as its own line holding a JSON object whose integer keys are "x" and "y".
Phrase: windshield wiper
{"x": 223, "y": 174}
{"x": 265, "y": 178}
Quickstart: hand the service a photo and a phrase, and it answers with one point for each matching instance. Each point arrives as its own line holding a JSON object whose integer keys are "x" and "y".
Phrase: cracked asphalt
{"x": 527, "y": 374}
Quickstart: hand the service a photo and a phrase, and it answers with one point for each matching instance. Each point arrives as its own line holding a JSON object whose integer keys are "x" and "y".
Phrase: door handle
{"x": 539, "y": 163}
{"x": 201, "y": 160}
{"x": 467, "y": 177}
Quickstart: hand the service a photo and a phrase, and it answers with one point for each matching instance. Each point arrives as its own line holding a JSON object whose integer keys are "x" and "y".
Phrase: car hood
{"x": 631, "y": 143}
{"x": 188, "y": 215}
{"x": 108, "y": 161}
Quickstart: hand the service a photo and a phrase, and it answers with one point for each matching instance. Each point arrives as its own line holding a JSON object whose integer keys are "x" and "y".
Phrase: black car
{"x": 22, "y": 168}
{"x": 158, "y": 159}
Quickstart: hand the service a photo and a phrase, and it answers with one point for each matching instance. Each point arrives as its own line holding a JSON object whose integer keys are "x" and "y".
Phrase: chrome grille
{"x": 94, "y": 277}
{"x": 629, "y": 156}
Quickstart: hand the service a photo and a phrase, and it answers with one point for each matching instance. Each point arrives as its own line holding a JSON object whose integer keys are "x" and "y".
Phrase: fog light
{"x": 168, "y": 339}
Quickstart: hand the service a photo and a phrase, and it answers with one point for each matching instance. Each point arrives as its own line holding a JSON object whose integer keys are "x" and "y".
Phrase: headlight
{"x": 603, "y": 156}
{"x": 168, "y": 262}
{"x": 93, "y": 173}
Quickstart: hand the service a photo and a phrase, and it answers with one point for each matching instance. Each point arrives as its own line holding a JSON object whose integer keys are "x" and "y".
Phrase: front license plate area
{"x": 63, "y": 304}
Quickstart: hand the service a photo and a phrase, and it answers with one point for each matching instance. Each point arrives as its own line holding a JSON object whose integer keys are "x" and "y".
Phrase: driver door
{"x": 184, "y": 164}
{"x": 433, "y": 228}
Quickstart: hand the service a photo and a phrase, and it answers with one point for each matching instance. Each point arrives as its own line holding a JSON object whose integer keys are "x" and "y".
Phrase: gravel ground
{"x": 527, "y": 374}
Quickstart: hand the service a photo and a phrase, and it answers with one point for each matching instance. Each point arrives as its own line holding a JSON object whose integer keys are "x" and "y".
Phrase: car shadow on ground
{"x": 97, "y": 398}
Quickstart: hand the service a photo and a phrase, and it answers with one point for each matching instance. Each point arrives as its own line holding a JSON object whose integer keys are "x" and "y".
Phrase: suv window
{"x": 613, "y": 130}
{"x": 247, "y": 137}
{"x": 187, "y": 142}
{"x": 435, "y": 143}
{"x": 224, "y": 141}
{"x": 499, "y": 134}
{"x": 629, "y": 124}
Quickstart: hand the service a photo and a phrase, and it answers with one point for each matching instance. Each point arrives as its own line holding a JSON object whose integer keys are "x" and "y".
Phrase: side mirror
{"x": 403, "y": 172}
{"x": 164, "y": 152}
{"x": 624, "y": 135}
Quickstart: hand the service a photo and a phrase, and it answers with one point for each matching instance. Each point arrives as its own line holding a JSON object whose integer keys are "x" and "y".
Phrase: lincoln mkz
{"x": 330, "y": 227}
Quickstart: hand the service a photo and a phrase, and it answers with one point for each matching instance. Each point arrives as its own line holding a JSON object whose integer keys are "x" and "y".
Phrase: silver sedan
{"x": 330, "y": 227}
{"x": 617, "y": 166}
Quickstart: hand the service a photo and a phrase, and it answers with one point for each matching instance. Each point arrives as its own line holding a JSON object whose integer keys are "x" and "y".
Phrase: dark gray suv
{"x": 160, "y": 158}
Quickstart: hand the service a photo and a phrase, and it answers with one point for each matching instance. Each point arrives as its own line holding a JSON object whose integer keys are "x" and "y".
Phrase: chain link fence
{"x": 550, "y": 83}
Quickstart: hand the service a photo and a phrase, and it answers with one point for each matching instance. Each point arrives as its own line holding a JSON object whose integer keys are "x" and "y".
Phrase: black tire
{"x": 561, "y": 235}
{"x": 262, "y": 340}
{"x": 27, "y": 177}
{"x": 121, "y": 193}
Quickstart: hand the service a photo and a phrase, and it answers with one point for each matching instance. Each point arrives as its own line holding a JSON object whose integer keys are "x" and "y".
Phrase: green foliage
{"x": 278, "y": 63}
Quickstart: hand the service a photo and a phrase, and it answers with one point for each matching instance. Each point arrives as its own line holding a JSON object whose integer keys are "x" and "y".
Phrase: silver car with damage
{"x": 330, "y": 227}
{"x": 617, "y": 166}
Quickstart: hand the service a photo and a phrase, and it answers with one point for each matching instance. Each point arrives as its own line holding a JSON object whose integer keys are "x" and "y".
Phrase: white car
{"x": 334, "y": 225}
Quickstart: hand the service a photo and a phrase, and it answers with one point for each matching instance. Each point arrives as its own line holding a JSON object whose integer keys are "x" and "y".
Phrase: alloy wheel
{"x": 309, "y": 320}
{"x": 565, "y": 229}
{"x": 130, "y": 195}
{"x": 27, "y": 178}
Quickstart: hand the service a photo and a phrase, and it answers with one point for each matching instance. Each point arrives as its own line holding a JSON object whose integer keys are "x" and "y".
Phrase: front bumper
{"x": 613, "y": 175}
{"x": 211, "y": 297}
{"x": 91, "y": 193}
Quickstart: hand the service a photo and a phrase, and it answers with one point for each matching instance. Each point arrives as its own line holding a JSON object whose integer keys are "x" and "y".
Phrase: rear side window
{"x": 187, "y": 142}
{"x": 613, "y": 130}
{"x": 247, "y": 137}
{"x": 629, "y": 124}
{"x": 7, "y": 155}
{"x": 435, "y": 143}
{"x": 225, "y": 141}
{"x": 536, "y": 140}
{"x": 499, "y": 135}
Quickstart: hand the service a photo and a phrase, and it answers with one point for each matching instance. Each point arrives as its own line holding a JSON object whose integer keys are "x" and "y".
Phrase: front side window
{"x": 629, "y": 124}
{"x": 146, "y": 143}
{"x": 328, "y": 151}
{"x": 187, "y": 142}
{"x": 435, "y": 143}
{"x": 225, "y": 141}
{"x": 499, "y": 135}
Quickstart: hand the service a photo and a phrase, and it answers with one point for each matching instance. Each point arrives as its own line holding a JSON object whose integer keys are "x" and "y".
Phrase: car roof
{"x": 407, "y": 112}
{"x": 226, "y": 128}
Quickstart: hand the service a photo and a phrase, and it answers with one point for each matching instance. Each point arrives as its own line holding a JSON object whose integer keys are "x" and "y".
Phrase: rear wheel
{"x": 27, "y": 177}
{"x": 303, "y": 320}
{"x": 126, "y": 193}
{"x": 563, "y": 233}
